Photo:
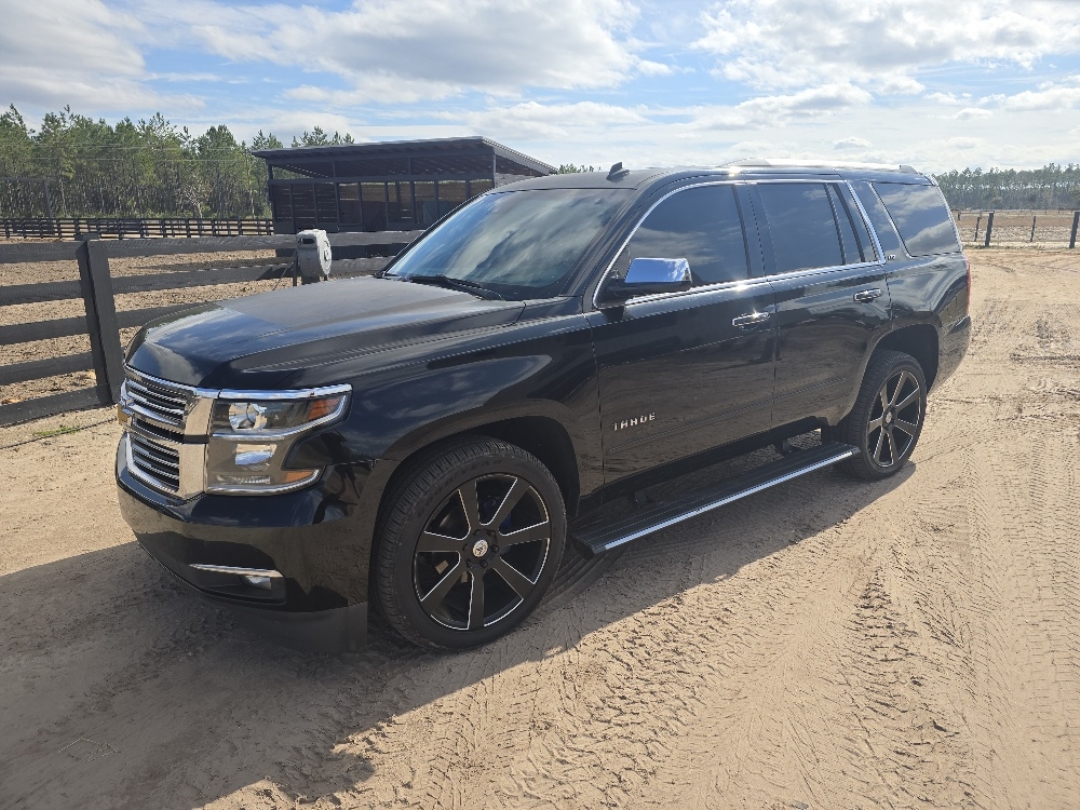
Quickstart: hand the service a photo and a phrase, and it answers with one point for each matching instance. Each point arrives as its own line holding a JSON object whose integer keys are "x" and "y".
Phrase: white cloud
{"x": 70, "y": 51}
{"x": 965, "y": 143}
{"x": 972, "y": 113}
{"x": 647, "y": 68}
{"x": 772, "y": 111}
{"x": 1055, "y": 98}
{"x": 851, "y": 143}
{"x": 897, "y": 85}
{"x": 791, "y": 43}
{"x": 949, "y": 98}
{"x": 498, "y": 46}
{"x": 535, "y": 121}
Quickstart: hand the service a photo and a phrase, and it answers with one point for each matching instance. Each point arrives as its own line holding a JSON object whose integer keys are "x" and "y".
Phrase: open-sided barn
{"x": 400, "y": 185}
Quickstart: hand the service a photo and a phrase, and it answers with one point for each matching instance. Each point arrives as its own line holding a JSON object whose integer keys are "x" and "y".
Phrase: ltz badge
{"x": 637, "y": 421}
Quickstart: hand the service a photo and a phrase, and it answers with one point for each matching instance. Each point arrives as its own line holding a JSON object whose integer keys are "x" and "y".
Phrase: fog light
{"x": 258, "y": 582}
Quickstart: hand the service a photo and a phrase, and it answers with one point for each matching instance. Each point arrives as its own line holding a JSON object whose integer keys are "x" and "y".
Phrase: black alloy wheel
{"x": 470, "y": 544}
{"x": 482, "y": 552}
{"x": 887, "y": 419}
{"x": 896, "y": 419}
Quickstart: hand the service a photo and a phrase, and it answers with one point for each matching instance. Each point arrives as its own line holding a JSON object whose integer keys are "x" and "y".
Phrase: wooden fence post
{"x": 96, "y": 283}
{"x": 989, "y": 228}
{"x": 1072, "y": 237}
{"x": 1032, "y": 237}
{"x": 978, "y": 222}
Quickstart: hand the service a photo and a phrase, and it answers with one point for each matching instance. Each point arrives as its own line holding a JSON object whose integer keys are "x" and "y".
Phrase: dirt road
{"x": 822, "y": 645}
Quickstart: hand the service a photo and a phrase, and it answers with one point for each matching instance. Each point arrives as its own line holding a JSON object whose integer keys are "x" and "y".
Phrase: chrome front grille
{"x": 166, "y": 425}
{"x": 156, "y": 462}
{"x": 160, "y": 403}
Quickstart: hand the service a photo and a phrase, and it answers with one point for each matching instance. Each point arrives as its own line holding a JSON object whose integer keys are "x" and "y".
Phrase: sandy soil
{"x": 826, "y": 644}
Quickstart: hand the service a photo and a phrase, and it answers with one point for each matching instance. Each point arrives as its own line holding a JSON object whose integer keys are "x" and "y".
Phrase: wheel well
{"x": 921, "y": 342}
{"x": 543, "y": 437}
{"x": 548, "y": 441}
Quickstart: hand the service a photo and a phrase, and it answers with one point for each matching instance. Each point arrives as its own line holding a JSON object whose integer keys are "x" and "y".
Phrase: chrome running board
{"x": 604, "y": 537}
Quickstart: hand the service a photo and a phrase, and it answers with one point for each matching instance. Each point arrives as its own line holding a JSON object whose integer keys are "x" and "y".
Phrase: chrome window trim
{"x": 705, "y": 288}
{"x": 868, "y": 222}
{"x": 752, "y": 280}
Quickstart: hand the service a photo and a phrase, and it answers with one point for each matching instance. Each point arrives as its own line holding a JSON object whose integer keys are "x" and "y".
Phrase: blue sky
{"x": 931, "y": 83}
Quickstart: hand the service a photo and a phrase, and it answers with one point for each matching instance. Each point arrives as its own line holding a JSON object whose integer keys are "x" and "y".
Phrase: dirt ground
{"x": 825, "y": 644}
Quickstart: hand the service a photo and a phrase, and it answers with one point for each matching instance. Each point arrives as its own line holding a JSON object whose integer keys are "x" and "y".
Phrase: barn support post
{"x": 989, "y": 228}
{"x": 96, "y": 283}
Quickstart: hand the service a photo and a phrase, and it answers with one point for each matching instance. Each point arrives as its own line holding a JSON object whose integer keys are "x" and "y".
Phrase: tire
{"x": 887, "y": 419}
{"x": 468, "y": 544}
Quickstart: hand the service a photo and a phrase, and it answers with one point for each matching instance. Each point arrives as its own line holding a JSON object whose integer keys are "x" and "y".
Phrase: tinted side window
{"x": 848, "y": 243}
{"x": 886, "y": 233}
{"x": 862, "y": 230}
{"x": 801, "y": 226}
{"x": 700, "y": 225}
{"x": 921, "y": 216}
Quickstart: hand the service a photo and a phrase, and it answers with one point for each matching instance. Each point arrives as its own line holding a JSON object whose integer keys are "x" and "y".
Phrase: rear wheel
{"x": 470, "y": 542}
{"x": 887, "y": 419}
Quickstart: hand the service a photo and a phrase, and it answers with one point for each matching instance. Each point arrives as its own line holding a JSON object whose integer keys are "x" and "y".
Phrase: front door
{"x": 831, "y": 295}
{"x": 684, "y": 372}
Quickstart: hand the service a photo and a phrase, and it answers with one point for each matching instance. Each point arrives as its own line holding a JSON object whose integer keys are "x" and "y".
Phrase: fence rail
{"x": 1001, "y": 227}
{"x": 72, "y": 228}
{"x": 98, "y": 288}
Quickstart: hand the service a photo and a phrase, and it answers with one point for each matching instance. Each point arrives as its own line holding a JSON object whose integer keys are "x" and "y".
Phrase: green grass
{"x": 60, "y": 431}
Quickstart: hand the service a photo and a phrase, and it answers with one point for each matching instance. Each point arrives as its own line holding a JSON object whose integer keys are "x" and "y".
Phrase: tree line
{"x": 1052, "y": 186}
{"x": 75, "y": 166}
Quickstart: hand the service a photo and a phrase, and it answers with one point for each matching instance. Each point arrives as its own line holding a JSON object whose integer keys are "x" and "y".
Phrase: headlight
{"x": 251, "y": 436}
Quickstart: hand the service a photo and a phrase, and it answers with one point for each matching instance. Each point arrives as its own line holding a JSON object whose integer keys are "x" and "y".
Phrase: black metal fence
{"x": 97, "y": 288}
{"x": 1011, "y": 227}
{"x": 131, "y": 228}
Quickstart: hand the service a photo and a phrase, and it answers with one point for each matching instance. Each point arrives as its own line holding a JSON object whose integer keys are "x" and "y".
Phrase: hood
{"x": 252, "y": 342}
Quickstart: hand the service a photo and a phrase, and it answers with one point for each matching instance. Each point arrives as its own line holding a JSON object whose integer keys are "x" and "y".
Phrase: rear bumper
{"x": 953, "y": 348}
{"x": 315, "y": 596}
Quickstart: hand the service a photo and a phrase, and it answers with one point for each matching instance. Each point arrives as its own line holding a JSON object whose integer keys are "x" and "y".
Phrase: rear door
{"x": 683, "y": 372}
{"x": 831, "y": 297}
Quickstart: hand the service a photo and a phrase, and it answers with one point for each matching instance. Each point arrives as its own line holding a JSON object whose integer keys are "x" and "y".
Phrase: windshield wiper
{"x": 454, "y": 284}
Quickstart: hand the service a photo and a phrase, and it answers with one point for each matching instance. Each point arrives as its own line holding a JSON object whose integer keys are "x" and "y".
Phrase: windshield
{"x": 519, "y": 244}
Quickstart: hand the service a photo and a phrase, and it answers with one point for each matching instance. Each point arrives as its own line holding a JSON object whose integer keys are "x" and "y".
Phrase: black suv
{"x": 429, "y": 439}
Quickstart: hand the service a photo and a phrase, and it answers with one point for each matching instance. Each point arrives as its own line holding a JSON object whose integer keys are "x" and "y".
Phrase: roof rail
{"x": 822, "y": 164}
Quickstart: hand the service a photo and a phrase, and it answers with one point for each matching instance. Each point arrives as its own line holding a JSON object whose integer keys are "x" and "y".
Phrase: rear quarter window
{"x": 921, "y": 216}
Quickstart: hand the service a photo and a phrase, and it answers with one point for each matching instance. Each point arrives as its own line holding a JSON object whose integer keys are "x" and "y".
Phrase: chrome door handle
{"x": 865, "y": 296}
{"x": 751, "y": 319}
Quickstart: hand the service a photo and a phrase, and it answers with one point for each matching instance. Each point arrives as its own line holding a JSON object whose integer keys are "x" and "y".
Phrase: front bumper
{"x": 317, "y": 596}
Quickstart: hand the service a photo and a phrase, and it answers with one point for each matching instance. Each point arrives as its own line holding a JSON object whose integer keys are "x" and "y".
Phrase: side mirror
{"x": 647, "y": 277}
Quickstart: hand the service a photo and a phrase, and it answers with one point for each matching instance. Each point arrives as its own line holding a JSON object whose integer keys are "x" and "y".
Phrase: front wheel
{"x": 887, "y": 418}
{"x": 469, "y": 543}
